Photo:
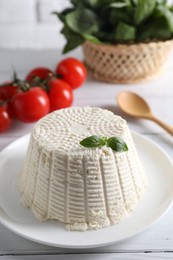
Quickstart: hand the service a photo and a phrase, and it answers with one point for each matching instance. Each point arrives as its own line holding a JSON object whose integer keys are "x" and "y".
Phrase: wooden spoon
{"x": 134, "y": 105}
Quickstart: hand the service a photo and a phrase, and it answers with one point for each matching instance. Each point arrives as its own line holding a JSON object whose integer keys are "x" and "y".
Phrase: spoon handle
{"x": 168, "y": 128}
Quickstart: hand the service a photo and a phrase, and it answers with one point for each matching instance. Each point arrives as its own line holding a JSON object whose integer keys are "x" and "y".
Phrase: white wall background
{"x": 29, "y": 24}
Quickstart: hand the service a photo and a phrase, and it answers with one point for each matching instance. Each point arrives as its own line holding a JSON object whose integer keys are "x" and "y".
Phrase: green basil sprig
{"x": 116, "y": 21}
{"x": 116, "y": 143}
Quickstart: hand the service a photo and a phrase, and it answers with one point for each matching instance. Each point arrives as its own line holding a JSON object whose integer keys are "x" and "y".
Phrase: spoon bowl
{"x": 134, "y": 105}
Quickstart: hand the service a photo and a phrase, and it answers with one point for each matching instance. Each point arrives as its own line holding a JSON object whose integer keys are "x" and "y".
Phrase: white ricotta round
{"x": 85, "y": 188}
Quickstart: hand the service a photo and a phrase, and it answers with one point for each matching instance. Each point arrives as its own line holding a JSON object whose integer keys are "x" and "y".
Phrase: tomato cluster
{"x": 41, "y": 92}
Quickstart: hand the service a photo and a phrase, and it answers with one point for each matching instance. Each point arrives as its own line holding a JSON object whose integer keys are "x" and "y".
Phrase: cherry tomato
{"x": 40, "y": 72}
{"x": 7, "y": 91}
{"x": 60, "y": 94}
{"x": 72, "y": 71}
{"x": 5, "y": 118}
{"x": 31, "y": 105}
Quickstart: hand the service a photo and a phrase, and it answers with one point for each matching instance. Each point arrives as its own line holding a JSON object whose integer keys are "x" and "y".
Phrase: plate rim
{"x": 5, "y": 222}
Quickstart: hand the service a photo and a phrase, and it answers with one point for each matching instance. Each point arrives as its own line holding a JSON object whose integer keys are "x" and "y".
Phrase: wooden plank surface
{"x": 112, "y": 256}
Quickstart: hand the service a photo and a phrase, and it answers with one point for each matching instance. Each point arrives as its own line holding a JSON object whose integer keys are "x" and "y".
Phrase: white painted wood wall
{"x": 30, "y": 24}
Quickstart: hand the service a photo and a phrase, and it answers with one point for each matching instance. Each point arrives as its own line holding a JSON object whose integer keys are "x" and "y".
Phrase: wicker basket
{"x": 125, "y": 63}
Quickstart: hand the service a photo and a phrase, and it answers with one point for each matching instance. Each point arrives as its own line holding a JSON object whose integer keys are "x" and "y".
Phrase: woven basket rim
{"x": 129, "y": 46}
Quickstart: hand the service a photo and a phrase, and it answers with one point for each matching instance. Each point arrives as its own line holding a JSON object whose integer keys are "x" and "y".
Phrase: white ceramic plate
{"x": 153, "y": 206}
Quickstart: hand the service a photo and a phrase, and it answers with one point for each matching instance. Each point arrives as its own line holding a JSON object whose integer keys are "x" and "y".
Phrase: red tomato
{"x": 8, "y": 91}
{"x": 31, "y": 105}
{"x": 73, "y": 72}
{"x": 60, "y": 94}
{"x": 40, "y": 72}
{"x": 5, "y": 119}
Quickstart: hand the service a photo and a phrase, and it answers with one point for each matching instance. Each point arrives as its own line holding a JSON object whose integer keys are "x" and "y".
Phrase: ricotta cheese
{"x": 85, "y": 188}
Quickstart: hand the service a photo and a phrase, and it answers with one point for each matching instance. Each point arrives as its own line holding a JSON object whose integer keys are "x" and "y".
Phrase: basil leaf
{"x": 73, "y": 39}
{"x": 91, "y": 38}
{"x": 62, "y": 14}
{"x": 118, "y": 15}
{"x": 117, "y": 144}
{"x": 118, "y": 4}
{"x": 107, "y": 36}
{"x": 163, "y": 2}
{"x": 103, "y": 3}
{"x": 90, "y": 3}
{"x": 74, "y": 2}
{"x": 144, "y": 9}
{"x": 167, "y": 14}
{"x": 125, "y": 32}
{"x": 82, "y": 21}
{"x": 134, "y": 2}
{"x": 158, "y": 29}
{"x": 92, "y": 141}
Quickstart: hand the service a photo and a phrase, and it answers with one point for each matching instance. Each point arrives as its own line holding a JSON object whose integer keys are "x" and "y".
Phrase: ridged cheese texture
{"x": 85, "y": 188}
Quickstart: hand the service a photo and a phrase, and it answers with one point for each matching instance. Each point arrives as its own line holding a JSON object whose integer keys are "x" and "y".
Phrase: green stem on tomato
{"x": 59, "y": 76}
{"x": 44, "y": 84}
{"x": 23, "y": 85}
{"x": 3, "y": 102}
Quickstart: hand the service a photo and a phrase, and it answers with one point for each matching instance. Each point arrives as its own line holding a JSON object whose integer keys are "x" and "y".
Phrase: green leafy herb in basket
{"x": 116, "y": 21}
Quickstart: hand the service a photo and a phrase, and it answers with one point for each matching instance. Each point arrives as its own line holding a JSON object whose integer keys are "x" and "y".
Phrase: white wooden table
{"x": 155, "y": 243}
